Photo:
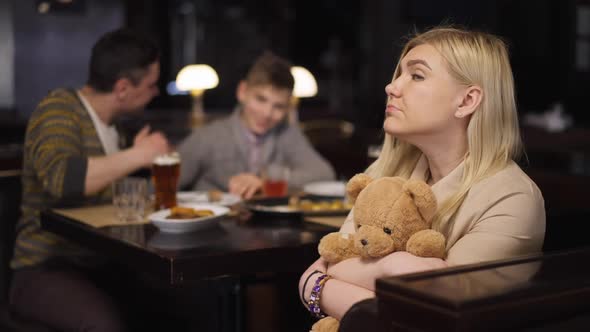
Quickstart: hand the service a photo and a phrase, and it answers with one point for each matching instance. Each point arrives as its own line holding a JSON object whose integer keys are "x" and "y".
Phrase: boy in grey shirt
{"x": 230, "y": 153}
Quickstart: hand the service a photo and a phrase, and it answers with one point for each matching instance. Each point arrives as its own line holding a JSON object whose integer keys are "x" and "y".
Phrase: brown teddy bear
{"x": 390, "y": 214}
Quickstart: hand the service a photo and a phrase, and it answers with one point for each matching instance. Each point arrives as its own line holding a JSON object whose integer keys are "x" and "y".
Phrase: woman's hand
{"x": 337, "y": 296}
{"x": 319, "y": 265}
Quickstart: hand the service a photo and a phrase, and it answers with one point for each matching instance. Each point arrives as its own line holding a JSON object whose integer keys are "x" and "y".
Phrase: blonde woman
{"x": 451, "y": 121}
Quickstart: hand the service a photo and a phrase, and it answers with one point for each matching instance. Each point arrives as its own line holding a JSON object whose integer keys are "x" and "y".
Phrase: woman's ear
{"x": 472, "y": 97}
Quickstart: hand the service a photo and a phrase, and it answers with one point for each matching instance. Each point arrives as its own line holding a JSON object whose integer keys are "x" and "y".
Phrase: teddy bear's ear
{"x": 422, "y": 196}
{"x": 355, "y": 185}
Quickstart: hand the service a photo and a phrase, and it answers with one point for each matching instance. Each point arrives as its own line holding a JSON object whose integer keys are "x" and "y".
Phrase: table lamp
{"x": 196, "y": 79}
{"x": 305, "y": 87}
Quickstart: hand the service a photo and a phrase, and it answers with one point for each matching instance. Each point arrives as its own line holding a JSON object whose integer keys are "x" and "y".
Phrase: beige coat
{"x": 502, "y": 216}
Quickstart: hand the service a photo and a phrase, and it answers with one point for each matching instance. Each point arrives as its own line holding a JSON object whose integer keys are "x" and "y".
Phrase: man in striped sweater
{"x": 71, "y": 156}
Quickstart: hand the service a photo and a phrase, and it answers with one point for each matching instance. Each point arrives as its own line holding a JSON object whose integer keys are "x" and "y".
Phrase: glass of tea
{"x": 275, "y": 180}
{"x": 165, "y": 175}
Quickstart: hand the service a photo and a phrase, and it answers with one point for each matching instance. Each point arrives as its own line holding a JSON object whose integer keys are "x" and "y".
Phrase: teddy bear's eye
{"x": 387, "y": 230}
{"x": 358, "y": 227}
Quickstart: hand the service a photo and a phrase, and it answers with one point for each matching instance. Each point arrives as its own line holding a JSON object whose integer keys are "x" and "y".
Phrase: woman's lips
{"x": 390, "y": 109}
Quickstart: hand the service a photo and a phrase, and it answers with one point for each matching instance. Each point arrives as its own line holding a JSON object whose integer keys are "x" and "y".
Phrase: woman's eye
{"x": 417, "y": 77}
{"x": 387, "y": 230}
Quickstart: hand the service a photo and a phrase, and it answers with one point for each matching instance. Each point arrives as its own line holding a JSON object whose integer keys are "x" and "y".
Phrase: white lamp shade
{"x": 305, "y": 83}
{"x": 196, "y": 77}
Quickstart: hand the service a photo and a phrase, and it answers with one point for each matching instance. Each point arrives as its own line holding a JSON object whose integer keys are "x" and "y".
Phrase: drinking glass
{"x": 275, "y": 179}
{"x": 130, "y": 198}
{"x": 165, "y": 174}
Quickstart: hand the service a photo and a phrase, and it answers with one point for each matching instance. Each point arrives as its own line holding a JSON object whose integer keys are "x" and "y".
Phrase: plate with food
{"x": 187, "y": 217}
{"x": 326, "y": 188}
{"x": 210, "y": 196}
{"x": 300, "y": 205}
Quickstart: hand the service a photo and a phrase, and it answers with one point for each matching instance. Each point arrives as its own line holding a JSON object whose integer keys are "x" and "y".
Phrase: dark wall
{"x": 6, "y": 58}
{"x": 53, "y": 50}
{"x": 540, "y": 36}
{"x": 351, "y": 45}
{"x": 228, "y": 35}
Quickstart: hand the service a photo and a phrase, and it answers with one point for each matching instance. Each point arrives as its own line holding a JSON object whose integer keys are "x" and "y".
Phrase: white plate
{"x": 227, "y": 199}
{"x": 326, "y": 188}
{"x": 187, "y": 225}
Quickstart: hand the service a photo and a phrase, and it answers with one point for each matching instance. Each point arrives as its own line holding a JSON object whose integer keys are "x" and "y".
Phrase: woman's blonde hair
{"x": 472, "y": 58}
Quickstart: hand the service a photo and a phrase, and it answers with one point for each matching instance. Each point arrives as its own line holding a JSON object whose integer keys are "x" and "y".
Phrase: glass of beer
{"x": 165, "y": 174}
{"x": 275, "y": 179}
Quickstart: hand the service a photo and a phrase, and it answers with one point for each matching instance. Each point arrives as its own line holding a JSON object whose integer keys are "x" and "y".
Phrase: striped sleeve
{"x": 56, "y": 150}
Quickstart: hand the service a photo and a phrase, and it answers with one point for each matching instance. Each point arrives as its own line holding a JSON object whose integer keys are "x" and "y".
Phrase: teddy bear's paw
{"x": 326, "y": 324}
{"x": 427, "y": 243}
{"x": 336, "y": 246}
{"x": 355, "y": 185}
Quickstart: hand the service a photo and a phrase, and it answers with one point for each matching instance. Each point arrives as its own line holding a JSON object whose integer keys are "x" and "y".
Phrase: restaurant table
{"x": 259, "y": 253}
{"x": 545, "y": 292}
{"x": 257, "y": 245}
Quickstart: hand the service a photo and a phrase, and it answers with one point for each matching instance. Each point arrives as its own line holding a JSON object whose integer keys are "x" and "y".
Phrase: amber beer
{"x": 165, "y": 174}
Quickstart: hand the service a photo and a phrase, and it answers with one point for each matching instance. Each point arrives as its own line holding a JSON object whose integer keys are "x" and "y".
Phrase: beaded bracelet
{"x": 314, "y": 299}
{"x": 305, "y": 285}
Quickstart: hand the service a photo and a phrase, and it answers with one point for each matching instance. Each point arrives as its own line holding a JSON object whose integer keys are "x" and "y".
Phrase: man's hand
{"x": 150, "y": 145}
{"x": 103, "y": 170}
{"x": 245, "y": 185}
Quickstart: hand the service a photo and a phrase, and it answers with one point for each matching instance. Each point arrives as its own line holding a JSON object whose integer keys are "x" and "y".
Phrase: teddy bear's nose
{"x": 364, "y": 242}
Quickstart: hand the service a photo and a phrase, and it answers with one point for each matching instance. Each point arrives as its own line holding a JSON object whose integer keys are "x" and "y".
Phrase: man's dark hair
{"x": 271, "y": 69}
{"x": 120, "y": 54}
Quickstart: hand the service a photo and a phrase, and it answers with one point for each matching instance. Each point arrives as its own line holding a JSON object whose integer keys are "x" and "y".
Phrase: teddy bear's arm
{"x": 335, "y": 247}
{"x": 427, "y": 243}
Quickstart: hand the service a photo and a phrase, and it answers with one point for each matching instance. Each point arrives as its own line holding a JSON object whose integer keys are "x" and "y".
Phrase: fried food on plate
{"x": 179, "y": 212}
{"x": 215, "y": 195}
{"x": 323, "y": 205}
